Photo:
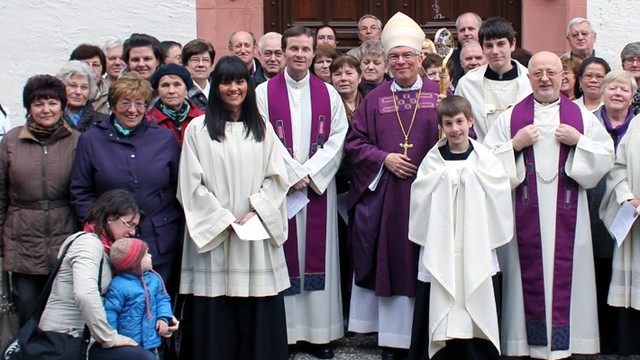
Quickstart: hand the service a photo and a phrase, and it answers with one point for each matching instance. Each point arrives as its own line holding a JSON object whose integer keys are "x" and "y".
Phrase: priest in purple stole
{"x": 552, "y": 152}
{"x": 309, "y": 118}
{"x": 392, "y": 130}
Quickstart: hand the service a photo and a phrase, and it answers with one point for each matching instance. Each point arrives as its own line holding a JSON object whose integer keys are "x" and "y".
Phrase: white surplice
{"x": 220, "y": 182}
{"x": 460, "y": 213}
{"x": 623, "y": 183}
{"x": 588, "y": 162}
{"x": 313, "y": 316}
{"x": 486, "y": 95}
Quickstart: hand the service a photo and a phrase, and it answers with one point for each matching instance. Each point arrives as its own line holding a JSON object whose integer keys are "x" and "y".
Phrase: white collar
{"x": 416, "y": 86}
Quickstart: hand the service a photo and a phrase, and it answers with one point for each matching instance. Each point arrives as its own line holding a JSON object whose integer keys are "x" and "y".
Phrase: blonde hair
{"x": 130, "y": 83}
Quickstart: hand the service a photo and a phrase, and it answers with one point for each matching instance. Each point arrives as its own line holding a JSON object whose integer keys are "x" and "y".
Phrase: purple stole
{"x": 316, "y": 232}
{"x": 529, "y": 238}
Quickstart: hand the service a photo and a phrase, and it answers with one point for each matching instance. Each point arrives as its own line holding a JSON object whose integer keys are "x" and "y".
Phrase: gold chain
{"x": 415, "y": 111}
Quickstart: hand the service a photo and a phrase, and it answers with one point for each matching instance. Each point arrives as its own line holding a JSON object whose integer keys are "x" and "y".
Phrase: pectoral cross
{"x": 406, "y": 146}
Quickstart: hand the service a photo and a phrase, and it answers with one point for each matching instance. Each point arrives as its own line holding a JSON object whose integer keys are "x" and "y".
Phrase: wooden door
{"x": 343, "y": 15}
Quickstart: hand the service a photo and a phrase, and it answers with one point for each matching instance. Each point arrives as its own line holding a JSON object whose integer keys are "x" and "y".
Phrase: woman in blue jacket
{"x": 128, "y": 152}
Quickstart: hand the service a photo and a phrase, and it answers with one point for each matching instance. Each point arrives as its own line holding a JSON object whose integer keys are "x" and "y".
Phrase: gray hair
{"x": 474, "y": 14}
{"x": 253, "y": 37}
{"x": 77, "y": 67}
{"x": 630, "y": 50}
{"x": 576, "y": 21}
{"x": 268, "y": 36}
{"x": 373, "y": 47}
{"x": 472, "y": 42}
{"x": 367, "y": 16}
{"x": 622, "y": 76}
{"x": 110, "y": 44}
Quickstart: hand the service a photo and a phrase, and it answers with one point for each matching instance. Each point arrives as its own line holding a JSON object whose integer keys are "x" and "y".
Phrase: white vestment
{"x": 220, "y": 182}
{"x": 473, "y": 87}
{"x": 460, "y": 213}
{"x": 588, "y": 162}
{"x": 313, "y": 316}
{"x": 623, "y": 183}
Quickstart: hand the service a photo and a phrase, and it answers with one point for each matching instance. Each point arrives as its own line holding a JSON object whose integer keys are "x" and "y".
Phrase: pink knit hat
{"x": 126, "y": 255}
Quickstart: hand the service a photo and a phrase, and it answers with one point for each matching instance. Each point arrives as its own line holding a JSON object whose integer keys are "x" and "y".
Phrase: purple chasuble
{"x": 316, "y": 232}
{"x": 384, "y": 259}
{"x": 529, "y": 237}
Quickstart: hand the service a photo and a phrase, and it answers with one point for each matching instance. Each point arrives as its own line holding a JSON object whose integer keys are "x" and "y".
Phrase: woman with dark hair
{"x": 173, "y": 109}
{"x": 81, "y": 88}
{"x": 143, "y": 54}
{"x": 128, "y": 152}
{"x": 198, "y": 56}
{"x": 587, "y": 89}
{"x": 35, "y": 168}
{"x": 85, "y": 275}
{"x": 325, "y": 54}
{"x": 232, "y": 173}
{"x": 95, "y": 58}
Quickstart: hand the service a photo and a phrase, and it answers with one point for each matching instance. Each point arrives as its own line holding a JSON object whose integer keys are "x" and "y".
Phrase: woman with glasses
{"x": 587, "y": 89}
{"x": 128, "y": 152}
{"x": 81, "y": 88}
{"x": 85, "y": 275}
{"x": 570, "y": 67}
{"x": 198, "y": 56}
{"x": 35, "y": 167}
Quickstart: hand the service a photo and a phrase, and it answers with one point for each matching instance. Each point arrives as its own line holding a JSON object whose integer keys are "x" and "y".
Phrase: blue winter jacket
{"x": 127, "y": 311}
{"x": 144, "y": 163}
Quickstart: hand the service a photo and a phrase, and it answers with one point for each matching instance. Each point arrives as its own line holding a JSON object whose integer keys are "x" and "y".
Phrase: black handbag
{"x": 9, "y": 320}
{"x": 33, "y": 343}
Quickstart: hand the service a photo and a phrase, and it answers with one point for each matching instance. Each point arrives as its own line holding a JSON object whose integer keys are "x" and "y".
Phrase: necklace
{"x": 406, "y": 146}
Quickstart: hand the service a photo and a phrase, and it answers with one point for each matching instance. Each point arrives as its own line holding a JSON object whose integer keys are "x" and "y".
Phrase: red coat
{"x": 164, "y": 121}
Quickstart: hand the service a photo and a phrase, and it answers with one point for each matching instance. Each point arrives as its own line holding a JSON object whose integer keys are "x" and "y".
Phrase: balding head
{"x": 545, "y": 76}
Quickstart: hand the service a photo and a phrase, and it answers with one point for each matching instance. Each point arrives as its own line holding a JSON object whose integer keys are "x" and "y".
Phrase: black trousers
{"x": 247, "y": 328}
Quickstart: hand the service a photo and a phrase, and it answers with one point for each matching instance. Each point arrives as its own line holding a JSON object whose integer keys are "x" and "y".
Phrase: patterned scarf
{"x": 90, "y": 227}
{"x": 177, "y": 116}
{"x": 121, "y": 129}
{"x": 42, "y": 133}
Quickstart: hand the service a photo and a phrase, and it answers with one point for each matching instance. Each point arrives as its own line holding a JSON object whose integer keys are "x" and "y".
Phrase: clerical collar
{"x": 445, "y": 152}
{"x": 509, "y": 75}
{"x": 556, "y": 101}
{"x": 295, "y": 83}
{"x": 416, "y": 86}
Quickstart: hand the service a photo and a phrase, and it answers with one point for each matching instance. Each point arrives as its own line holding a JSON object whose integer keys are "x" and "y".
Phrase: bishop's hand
{"x": 400, "y": 165}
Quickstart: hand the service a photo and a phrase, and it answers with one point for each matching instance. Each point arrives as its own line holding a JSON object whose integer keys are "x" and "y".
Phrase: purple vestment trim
{"x": 316, "y": 232}
{"x": 529, "y": 237}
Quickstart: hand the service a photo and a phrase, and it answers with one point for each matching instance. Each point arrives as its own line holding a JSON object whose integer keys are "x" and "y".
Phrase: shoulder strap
{"x": 46, "y": 291}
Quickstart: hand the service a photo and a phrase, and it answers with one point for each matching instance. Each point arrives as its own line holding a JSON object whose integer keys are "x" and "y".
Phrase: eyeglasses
{"x": 540, "y": 73}
{"x": 127, "y": 104}
{"x": 631, "y": 60}
{"x": 596, "y": 76}
{"x": 578, "y": 34}
{"x": 131, "y": 227}
{"x": 406, "y": 56}
{"x": 269, "y": 53}
{"x": 196, "y": 60}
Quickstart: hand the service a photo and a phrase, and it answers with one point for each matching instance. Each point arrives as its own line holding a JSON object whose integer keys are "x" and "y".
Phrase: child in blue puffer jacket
{"x": 137, "y": 303}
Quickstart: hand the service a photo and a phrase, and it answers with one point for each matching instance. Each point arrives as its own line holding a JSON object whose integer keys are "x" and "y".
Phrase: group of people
{"x": 486, "y": 240}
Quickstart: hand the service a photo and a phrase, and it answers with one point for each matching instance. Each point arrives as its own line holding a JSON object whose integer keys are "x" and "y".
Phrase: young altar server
{"x": 460, "y": 212}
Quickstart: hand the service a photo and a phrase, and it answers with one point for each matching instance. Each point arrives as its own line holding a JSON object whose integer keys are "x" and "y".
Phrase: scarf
{"x": 42, "y": 133}
{"x": 121, "y": 129}
{"x": 75, "y": 118}
{"x": 90, "y": 227}
{"x": 618, "y": 132}
{"x": 177, "y": 116}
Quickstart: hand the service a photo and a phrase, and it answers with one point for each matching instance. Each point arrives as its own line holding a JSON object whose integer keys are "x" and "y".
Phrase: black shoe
{"x": 321, "y": 351}
{"x": 393, "y": 353}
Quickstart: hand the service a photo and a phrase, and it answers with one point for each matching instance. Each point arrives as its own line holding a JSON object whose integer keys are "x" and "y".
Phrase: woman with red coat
{"x": 173, "y": 110}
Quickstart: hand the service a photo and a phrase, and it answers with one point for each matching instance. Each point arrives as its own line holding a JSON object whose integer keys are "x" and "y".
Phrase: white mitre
{"x": 402, "y": 30}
